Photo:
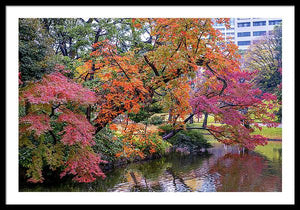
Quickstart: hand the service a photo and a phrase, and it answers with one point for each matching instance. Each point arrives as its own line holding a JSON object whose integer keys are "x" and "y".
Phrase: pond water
{"x": 217, "y": 170}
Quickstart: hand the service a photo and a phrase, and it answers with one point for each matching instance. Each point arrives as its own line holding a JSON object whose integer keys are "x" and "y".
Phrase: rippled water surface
{"x": 219, "y": 170}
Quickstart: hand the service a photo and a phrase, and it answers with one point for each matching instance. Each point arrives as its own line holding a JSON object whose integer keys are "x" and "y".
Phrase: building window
{"x": 229, "y": 33}
{"x": 243, "y": 34}
{"x": 245, "y": 24}
{"x": 243, "y": 43}
{"x": 259, "y": 23}
{"x": 274, "y": 22}
{"x": 243, "y": 18}
{"x": 259, "y": 33}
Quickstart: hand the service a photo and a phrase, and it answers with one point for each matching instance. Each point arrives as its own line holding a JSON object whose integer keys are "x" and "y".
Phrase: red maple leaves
{"x": 37, "y": 123}
{"x": 55, "y": 88}
{"x": 84, "y": 165}
{"x": 58, "y": 92}
{"x": 77, "y": 130}
{"x": 237, "y": 109}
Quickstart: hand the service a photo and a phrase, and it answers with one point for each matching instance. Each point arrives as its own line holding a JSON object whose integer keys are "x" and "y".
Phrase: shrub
{"x": 142, "y": 115}
{"x": 156, "y": 120}
{"x": 153, "y": 144}
{"x": 107, "y": 145}
{"x": 191, "y": 139}
{"x": 145, "y": 113}
{"x": 164, "y": 129}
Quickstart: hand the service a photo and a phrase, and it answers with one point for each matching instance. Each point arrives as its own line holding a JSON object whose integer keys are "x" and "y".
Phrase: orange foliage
{"x": 130, "y": 79}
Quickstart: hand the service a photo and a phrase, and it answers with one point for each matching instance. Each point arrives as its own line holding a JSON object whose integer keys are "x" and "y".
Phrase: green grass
{"x": 272, "y": 150}
{"x": 271, "y": 133}
{"x": 210, "y": 118}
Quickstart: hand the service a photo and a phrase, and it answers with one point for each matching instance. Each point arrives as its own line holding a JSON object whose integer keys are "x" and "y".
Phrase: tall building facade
{"x": 248, "y": 30}
{"x": 245, "y": 31}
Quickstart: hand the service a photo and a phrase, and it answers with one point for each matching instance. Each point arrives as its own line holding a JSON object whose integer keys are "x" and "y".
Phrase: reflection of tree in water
{"x": 137, "y": 183}
{"x": 244, "y": 172}
{"x": 225, "y": 172}
{"x": 221, "y": 170}
{"x": 160, "y": 175}
{"x": 178, "y": 182}
{"x": 169, "y": 181}
{"x": 165, "y": 174}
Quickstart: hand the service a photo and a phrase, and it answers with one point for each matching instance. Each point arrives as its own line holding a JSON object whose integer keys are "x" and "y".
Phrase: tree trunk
{"x": 27, "y": 107}
{"x": 170, "y": 115}
{"x": 204, "y": 125}
{"x": 192, "y": 120}
{"x": 172, "y": 133}
{"x": 88, "y": 113}
{"x": 134, "y": 178}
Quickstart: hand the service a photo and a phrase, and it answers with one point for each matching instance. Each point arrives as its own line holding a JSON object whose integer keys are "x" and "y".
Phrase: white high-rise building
{"x": 244, "y": 31}
{"x": 247, "y": 30}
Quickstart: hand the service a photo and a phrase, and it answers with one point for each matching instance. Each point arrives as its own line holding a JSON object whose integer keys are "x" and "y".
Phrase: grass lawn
{"x": 210, "y": 119}
{"x": 271, "y": 133}
{"x": 272, "y": 150}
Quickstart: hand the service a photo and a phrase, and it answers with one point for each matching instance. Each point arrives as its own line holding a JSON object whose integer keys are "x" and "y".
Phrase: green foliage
{"x": 35, "y": 153}
{"x": 269, "y": 81}
{"x": 108, "y": 145}
{"x": 92, "y": 84}
{"x": 279, "y": 114}
{"x": 156, "y": 120}
{"x": 142, "y": 115}
{"x": 146, "y": 112}
{"x": 25, "y": 156}
{"x": 34, "y": 49}
{"x": 266, "y": 57}
{"x": 72, "y": 36}
{"x": 164, "y": 129}
{"x": 191, "y": 139}
{"x": 22, "y": 111}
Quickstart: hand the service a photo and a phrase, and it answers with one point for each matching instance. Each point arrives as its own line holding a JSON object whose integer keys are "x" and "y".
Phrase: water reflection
{"x": 218, "y": 170}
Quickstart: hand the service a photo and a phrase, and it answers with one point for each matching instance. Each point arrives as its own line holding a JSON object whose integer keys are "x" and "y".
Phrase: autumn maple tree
{"x": 238, "y": 109}
{"x": 176, "y": 53}
{"x": 180, "y": 47}
{"x": 56, "y": 100}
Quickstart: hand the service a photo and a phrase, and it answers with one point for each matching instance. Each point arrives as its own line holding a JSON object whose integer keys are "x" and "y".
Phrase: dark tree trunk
{"x": 27, "y": 107}
{"x": 204, "y": 125}
{"x": 192, "y": 120}
{"x": 88, "y": 113}
{"x": 172, "y": 133}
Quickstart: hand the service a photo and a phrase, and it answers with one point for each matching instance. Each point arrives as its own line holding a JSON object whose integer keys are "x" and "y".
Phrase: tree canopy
{"x": 112, "y": 67}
